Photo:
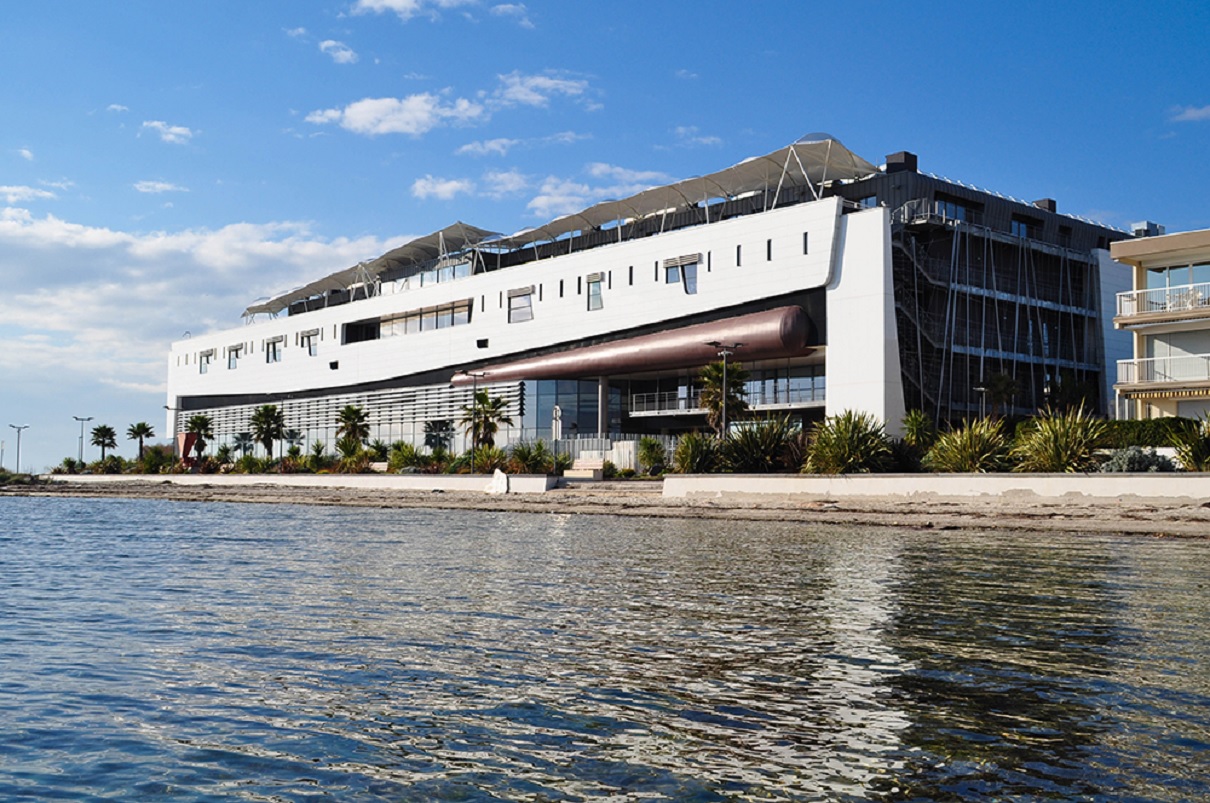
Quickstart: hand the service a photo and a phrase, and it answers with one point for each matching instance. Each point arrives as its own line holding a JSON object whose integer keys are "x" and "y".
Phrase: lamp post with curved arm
{"x": 19, "y": 428}
{"x": 725, "y": 350}
{"x": 83, "y": 421}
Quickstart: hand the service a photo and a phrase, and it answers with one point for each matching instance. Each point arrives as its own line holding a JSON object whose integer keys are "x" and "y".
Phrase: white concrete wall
{"x": 1107, "y": 486}
{"x": 862, "y": 362}
{"x": 517, "y": 483}
{"x": 556, "y": 319}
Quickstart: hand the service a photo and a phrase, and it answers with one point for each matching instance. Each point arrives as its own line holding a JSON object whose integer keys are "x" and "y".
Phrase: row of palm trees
{"x": 104, "y": 437}
{"x": 267, "y": 426}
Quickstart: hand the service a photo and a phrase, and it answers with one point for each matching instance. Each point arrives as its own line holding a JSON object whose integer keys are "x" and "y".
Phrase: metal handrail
{"x": 1186, "y": 368}
{"x": 1187, "y": 297}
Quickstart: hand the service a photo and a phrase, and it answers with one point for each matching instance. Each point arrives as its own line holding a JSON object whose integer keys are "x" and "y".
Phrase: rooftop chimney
{"x": 1046, "y": 203}
{"x": 902, "y": 162}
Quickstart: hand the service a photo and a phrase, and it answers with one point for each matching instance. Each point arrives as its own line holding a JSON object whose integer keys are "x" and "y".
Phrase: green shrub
{"x": 918, "y": 431}
{"x": 849, "y": 443}
{"x": 977, "y": 446}
{"x": 1147, "y": 432}
{"x": 531, "y": 458}
{"x": 759, "y": 447}
{"x": 652, "y": 454}
{"x": 561, "y": 463}
{"x": 1132, "y": 458}
{"x": 609, "y": 471}
{"x": 695, "y": 453}
{"x": 378, "y": 450}
{"x": 1057, "y": 441}
{"x": 404, "y": 455}
{"x": 1192, "y": 442}
{"x": 627, "y": 473}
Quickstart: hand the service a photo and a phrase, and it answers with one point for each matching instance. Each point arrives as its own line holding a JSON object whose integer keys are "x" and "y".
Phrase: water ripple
{"x": 172, "y": 651}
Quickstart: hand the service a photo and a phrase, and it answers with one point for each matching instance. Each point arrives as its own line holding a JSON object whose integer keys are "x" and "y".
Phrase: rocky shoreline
{"x": 1182, "y": 517}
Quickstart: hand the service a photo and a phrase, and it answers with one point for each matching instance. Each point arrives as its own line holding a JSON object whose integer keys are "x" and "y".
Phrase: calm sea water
{"x": 171, "y": 651}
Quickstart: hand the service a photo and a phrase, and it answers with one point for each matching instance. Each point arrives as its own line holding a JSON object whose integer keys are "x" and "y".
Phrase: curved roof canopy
{"x": 810, "y": 161}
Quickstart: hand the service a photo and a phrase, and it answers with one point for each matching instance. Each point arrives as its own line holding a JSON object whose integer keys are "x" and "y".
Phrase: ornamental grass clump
{"x": 695, "y": 453}
{"x": 1192, "y": 443}
{"x": 1059, "y": 442}
{"x": 758, "y": 447}
{"x": 848, "y": 443}
{"x": 978, "y": 447}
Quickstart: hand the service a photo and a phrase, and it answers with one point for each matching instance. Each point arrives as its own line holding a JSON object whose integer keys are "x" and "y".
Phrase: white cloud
{"x": 406, "y": 9}
{"x": 505, "y": 183}
{"x": 414, "y": 114}
{"x": 26, "y": 154}
{"x": 116, "y": 107}
{"x": 296, "y": 33}
{"x": 443, "y": 189}
{"x": 176, "y": 134}
{"x": 686, "y": 75}
{"x": 499, "y": 146}
{"x": 61, "y": 184}
{"x": 687, "y": 135}
{"x": 113, "y": 314}
{"x": 156, "y": 187}
{"x": 515, "y": 10}
{"x": 1186, "y": 114}
{"x": 503, "y": 145}
{"x": 559, "y": 196}
{"x": 339, "y": 51}
{"x": 20, "y": 194}
{"x": 536, "y": 90}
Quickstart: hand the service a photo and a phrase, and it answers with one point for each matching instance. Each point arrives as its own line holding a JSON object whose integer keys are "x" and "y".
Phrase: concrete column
{"x": 602, "y": 406}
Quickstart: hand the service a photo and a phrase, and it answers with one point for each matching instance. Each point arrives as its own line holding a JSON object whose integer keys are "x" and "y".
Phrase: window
{"x": 233, "y": 355}
{"x": 309, "y": 342}
{"x": 521, "y": 305}
{"x": 1026, "y": 227}
{"x": 950, "y": 210}
{"x": 273, "y": 350}
{"x": 867, "y": 202}
{"x": 203, "y": 361}
{"x": 683, "y": 271}
{"x": 689, "y": 278}
{"x": 594, "y": 292}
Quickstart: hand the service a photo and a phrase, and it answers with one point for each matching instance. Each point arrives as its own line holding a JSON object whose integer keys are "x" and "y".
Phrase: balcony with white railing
{"x": 682, "y": 403}
{"x": 1162, "y": 304}
{"x": 1191, "y": 370}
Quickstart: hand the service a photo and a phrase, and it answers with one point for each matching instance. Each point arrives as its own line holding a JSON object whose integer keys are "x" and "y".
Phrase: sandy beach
{"x": 1181, "y": 517}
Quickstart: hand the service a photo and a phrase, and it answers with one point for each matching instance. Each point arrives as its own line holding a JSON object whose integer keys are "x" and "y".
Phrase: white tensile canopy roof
{"x": 810, "y": 161}
{"x": 450, "y": 240}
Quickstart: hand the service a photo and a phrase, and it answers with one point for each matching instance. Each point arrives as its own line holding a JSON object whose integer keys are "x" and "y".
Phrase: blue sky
{"x": 164, "y": 164}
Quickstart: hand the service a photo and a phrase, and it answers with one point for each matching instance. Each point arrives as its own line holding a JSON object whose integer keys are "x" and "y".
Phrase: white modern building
{"x": 838, "y": 285}
{"x": 1167, "y": 313}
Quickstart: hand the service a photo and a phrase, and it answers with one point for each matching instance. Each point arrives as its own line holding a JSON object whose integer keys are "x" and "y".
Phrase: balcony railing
{"x": 1187, "y": 369}
{"x": 1189, "y": 298}
{"x": 680, "y": 403}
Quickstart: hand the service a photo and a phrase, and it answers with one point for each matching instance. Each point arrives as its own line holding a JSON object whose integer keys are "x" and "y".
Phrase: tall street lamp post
{"x": 19, "y": 428}
{"x": 475, "y": 377}
{"x": 82, "y": 421}
{"x": 725, "y": 350}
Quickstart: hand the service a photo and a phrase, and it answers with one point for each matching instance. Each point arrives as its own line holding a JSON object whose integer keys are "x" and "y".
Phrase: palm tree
{"x": 352, "y": 423}
{"x": 202, "y": 426}
{"x": 1001, "y": 389}
{"x": 268, "y": 424}
{"x": 139, "y": 432}
{"x": 714, "y": 396}
{"x": 483, "y": 420}
{"x": 104, "y": 437}
{"x": 244, "y": 442}
{"x": 295, "y": 439}
{"x": 438, "y": 434}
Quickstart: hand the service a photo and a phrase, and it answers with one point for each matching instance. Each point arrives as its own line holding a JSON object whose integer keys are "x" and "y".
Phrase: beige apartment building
{"x": 1168, "y": 312}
